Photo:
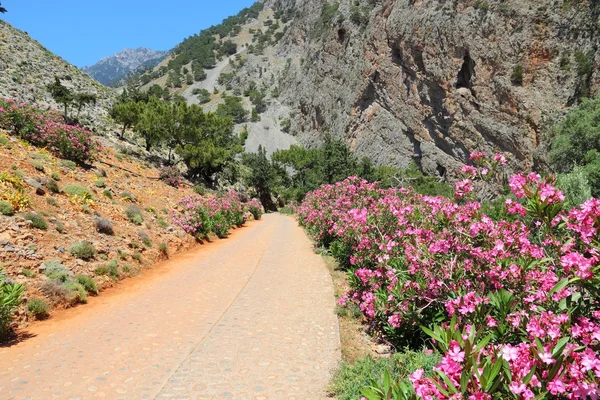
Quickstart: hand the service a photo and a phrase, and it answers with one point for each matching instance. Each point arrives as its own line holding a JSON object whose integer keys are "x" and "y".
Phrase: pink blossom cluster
{"x": 528, "y": 284}
{"x": 201, "y": 215}
{"x": 171, "y": 176}
{"x": 254, "y": 207}
{"x": 47, "y": 129}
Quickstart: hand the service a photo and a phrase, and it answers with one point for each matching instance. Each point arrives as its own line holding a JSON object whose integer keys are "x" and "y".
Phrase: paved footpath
{"x": 248, "y": 317}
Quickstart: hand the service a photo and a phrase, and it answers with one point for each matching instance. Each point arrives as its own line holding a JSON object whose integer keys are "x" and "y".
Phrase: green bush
{"x": 38, "y": 166}
{"x": 99, "y": 183}
{"x": 350, "y": 379}
{"x": 68, "y": 164}
{"x": 83, "y": 250}
{"x": 128, "y": 197}
{"x": 52, "y": 186}
{"x": 164, "y": 249}
{"x": 38, "y": 308}
{"x": 79, "y": 192}
{"x": 6, "y": 208}
{"x": 134, "y": 214}
{"x": 107, "y": 193}
{"x": 10, "y": 298}
{"x": 109, "y": 269}
{"x": 145, "y": 238}
{"x": 55, "y": 271}
{"x": 37, "y": 221}
{"x": 516, "y": 77}
{"x": 576, "y": 142}
{"x": 88, "y": 283}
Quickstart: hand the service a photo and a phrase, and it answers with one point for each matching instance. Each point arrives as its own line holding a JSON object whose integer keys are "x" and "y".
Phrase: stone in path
{"x": 249, "y": 317}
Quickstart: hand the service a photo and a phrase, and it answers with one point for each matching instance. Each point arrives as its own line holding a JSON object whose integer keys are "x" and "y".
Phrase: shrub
{"x": 88, "y": 283}
{"x": 99, "y": 183}
{"x": 171, "y": 176}
{"x": 68, "y": 164}
{"x": 107, "y": 193}
{"x": 255, "y": 208}
{"x": 164, "y": 249}
{"x": 104, "y": 225}
{"x": 134, "y": 214}
{"x": 83, "y": 250}
{"x": 28, "y": 273}
{"x": 6, "y": 208}
{"x": 128, "y": 197}
{"x": 48, "y": 130}
{"x": 516, "y": 77}
{"x": 10, "y": 298}
{"x": 137, "y": 257}
{"x": 38, "y": 166}
{"x": 217, "y": 214}
{"x": 56, "y": 271}
{"x": 509, "y": 305}
{"x": 145, "y": 238}
{"x": 37, "y": 221}
{"x": 109, "y": 269}
{"x": 79, "y": 193}
{"x": 52, "y": 186}
{"x": 575, "y": 186}
{"x": 55, "y": 175}
{"x": 38, "y": 308}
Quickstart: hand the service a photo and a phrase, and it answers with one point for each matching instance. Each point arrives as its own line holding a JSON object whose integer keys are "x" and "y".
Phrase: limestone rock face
{"x": 431, "y": 81}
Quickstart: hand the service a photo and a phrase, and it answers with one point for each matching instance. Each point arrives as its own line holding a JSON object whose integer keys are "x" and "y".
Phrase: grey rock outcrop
{"x": 430, "y": 81}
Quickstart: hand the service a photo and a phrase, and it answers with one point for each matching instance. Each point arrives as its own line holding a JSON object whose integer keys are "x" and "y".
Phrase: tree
{"x": 262, "y": 177}
{"x": 232, "y": 107}
{"x": 62, "y": 95}
{"x": 127, "y": 114}
{"x": 338, "y": 161}
{"x": 576, "y": 142}
{"x": 151, "y": 122}
{"x": 83, "y": 99}
{"x": 208, "y": 144}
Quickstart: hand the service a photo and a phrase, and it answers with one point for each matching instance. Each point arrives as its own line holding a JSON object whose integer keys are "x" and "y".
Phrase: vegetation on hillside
{"x": 575, "y": 149}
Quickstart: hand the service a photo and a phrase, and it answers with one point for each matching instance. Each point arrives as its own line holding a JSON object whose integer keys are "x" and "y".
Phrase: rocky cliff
{"x": 26, "y": 68}
{"x": 111, "y": 70}
{"x": 432, "y": 81}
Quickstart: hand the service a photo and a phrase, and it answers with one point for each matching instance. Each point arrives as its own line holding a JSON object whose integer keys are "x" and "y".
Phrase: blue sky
{"x": 84, "y": 31}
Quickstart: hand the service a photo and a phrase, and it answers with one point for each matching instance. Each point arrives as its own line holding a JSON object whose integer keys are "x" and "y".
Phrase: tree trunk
{"x": 123, "y": 131}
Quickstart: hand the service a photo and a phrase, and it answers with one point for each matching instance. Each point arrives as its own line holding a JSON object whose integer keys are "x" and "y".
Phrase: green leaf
{"x": 560, "y": 346}
{"x": 559, "y": 286}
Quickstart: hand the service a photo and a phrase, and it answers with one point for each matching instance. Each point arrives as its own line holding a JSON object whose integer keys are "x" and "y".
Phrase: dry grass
{"x": 356, "y": 343}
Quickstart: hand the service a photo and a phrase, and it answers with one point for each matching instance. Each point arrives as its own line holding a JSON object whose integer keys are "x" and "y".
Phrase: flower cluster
{"x": 255, "y": 208}
{"x": 47, "y": 129}
{"x": 200, "y": 216}
{"x": 522, "y": 293}
{"x": 171, "y": 176}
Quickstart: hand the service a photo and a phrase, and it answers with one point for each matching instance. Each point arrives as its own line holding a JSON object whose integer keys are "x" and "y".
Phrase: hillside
{"x": 113, "y": 69}
{"x": 27, "y": 68}
{"x": 428, "y": 82}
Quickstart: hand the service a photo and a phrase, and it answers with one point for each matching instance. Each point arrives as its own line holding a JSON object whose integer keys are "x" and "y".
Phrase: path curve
{"x": 248, "y": 317}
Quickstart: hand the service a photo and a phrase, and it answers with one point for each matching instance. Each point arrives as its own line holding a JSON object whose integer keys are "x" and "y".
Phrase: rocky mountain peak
{"x": 112, "y": 69}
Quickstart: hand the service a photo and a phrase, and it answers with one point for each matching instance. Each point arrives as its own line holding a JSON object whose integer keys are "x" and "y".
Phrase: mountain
{"x": 111, "y": 70}
{"x": 26, "y": 68}
{"x": 401, "y": 81}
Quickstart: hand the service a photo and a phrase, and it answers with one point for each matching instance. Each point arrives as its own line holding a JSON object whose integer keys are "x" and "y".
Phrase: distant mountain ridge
{"x": 112, "y": 69}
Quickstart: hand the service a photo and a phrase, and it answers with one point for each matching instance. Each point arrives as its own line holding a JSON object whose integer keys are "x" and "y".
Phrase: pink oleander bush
{"x": 255, "y": 208}
{"x": 512, "y": 305}
{"x": 171, "y": 176}
{"x": 47, "y": 129}
{"x": 199, "y": 216}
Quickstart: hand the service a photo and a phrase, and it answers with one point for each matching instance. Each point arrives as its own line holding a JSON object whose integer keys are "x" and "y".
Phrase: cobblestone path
{"x": 249, "y": 317}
